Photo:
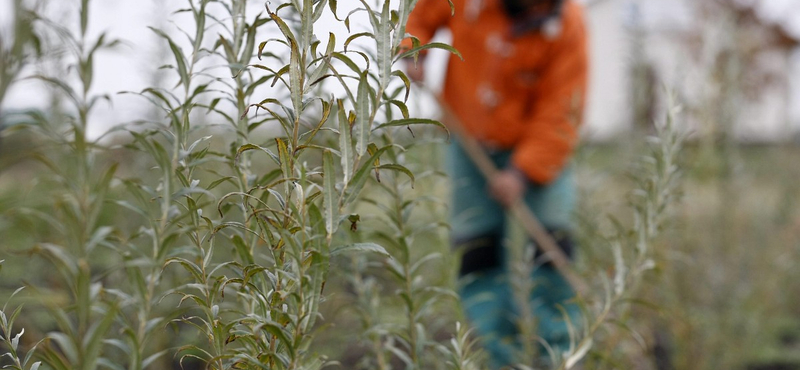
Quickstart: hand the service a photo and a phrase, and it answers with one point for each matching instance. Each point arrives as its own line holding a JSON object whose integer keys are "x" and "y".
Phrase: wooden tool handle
{"x": 518, "y": 210}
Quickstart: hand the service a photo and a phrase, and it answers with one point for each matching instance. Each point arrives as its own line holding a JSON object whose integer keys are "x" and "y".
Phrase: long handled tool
{"x": 519, "y": 210}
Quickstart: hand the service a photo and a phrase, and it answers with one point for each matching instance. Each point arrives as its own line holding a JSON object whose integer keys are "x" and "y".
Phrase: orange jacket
{"x": 524, "y": 93}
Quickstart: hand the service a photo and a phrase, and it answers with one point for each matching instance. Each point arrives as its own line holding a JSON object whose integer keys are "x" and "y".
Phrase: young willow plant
{"x": 234, "y": 242}
{"x": 408, "y": 230}
{"x": 170, "y": 210}
{"x": 280, "y": 224}
{"x": 462, "y": 354}
{"x": 19, "y": 360}
{"x": 24, "y": 46}
{"x": 656, "y": 178}
{"x": 72, "y": 202}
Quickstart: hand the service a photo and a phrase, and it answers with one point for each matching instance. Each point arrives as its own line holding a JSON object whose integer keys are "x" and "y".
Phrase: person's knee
{"x": 481, "y": 253}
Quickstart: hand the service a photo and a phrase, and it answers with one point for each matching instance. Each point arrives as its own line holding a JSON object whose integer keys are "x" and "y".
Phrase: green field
{"x": 725, "y": 292}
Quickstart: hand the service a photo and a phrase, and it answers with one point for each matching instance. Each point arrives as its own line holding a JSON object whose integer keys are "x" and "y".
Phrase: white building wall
{"x": 794, "y": 93}
{"x": 606, "y": 111}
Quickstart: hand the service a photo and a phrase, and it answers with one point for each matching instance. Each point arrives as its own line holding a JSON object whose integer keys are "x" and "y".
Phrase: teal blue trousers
{"x": 486, "y": 294}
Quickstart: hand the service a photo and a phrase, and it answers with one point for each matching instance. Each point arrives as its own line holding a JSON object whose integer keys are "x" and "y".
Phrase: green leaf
{"x": 283, "y": 338}
{"x": 318, "y": 72}
{"x": 318, "y": 10}
{"x": 152, "y": 358}
{"x": 66, "y": 88}
{"x": 330, "y": 196}
{"x": 180, "y": 59}
{"x": 62, "y": 260}
{"x": 398, "y": 168}
{"x": 247, "y": 147}
{"x": 402, "y": 106}
{"x": 372, "y": 149}
{"x": 406, "y": 6}
{"x": 287, "y": 32}
{"x": 285, "y": 162}
{"x": 363, "y": 112}
{"x": 406, "y": 82}
{"x": 189, "y": 266}
{"x": 306, "y": 24}
{"x": 93, "y": 340}
{"x": 15, "y": 340}
{"x": 196, "y": 142}
{"x": 142, "y": 212}
{"x": 66, "y": 345}
{"x": 355, "y": 36}
{"x": 296, "y": 68}
{"x": 411, "y": 121}
{"x": 84, "y": 16}
{"x": 360, "y": 247}
{"x": 98, "y": 237}
{"x": 383, "y": 40}
{"x": 241, "y": 248}
{"x": 430, "y": 257}
{"x": 296, "y": 74}
{"x": 347, "y": 61}
{"x": 579, "y": 353}
{"x": 220, "y": 180}
{"x": 326, "y": 112}
{"x": 357, "y": 182}
{"x": 226, "y": 46}
{"x": 345, "y": 143}
{"x": 252, "y": 30}
{"x": 432, "y": 45}
{"x": 261, "y": 47}
{"x": 333, "y": 5}
{"x": 319, "y": 273}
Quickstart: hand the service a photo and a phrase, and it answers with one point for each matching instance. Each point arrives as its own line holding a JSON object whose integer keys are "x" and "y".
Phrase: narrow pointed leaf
{"x": 372, "y": 149}
{"x": 432, "y": 45}
{"x": 406, "y": 6}
{"x": 347, "y": 61}
{"x": 398, "y": 168}
{"x": 286, "y": 162}
{"x": 579, "y": 353}
{"x": 306, "y": 24}
{"x": 360, "y": 247}
{"x": 247, "y": 147}
{"x": 383, "y": 40}
{"x": 345, "y": 143}
{"x": 360, "y": 178}
{"x": 180, "y": 59}
{"x": 363, "y": 111}
{"x": 354, "y": 37}
{"x": 406, "y": 82}
{"x": 331, "y": 199}
{"x": 318, "y": 72}
{"x": 411, "y": 121}
{"x": 319, "y": 10}
{"x": 295, "y": 67}
{"x": 296, "y": 70}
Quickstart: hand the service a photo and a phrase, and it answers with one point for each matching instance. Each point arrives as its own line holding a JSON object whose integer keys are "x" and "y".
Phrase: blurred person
{"x": 519, "y": 91}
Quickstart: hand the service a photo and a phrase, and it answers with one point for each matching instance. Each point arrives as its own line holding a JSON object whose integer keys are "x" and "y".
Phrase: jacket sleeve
{"x": 552, "y": 127}
{"x": 427, "y": 17}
